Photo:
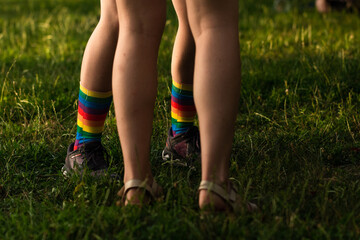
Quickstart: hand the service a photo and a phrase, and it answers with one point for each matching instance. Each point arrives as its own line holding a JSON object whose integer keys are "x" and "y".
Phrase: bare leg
{"x": 182, "y": 68}
{"x": 183, "y": 56}
{"x": 214, "y": 25}
{"x": 97, "y": 64}
{"x": 135, "y": 82}
{"x": 96, "y": 76}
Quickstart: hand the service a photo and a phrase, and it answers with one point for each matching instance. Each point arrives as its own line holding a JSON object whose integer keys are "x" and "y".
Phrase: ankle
{"x": 142, "y": 174}
{"x": 221, "y": 181}
{"x": 136, "y": 196}
{"x": 212, "y": 193}
{"x": 139, "y": 192}
{"x": 148, "y": 178}
{"x": 211, "y": 201}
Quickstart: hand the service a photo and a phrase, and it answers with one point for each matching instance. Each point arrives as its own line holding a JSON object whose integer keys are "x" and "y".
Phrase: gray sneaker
{"x": 89, "y": 156}
{"x": 182, "y": 149}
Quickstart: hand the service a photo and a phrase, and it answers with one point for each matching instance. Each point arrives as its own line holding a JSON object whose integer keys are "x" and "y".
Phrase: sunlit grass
{"x": 296, "y": 148}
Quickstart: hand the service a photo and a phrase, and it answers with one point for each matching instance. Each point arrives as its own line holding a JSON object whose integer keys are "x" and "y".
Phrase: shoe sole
{"x": 169, "y": 158}
{"x": 98, "y": 173}
{"x": 65, "y": 172}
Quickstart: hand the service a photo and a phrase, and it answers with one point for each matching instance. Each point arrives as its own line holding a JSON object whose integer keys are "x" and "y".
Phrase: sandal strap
{"x": 228, "y": 196}
{"x": 136, "y": 183}
{"x": 154, "y": 190}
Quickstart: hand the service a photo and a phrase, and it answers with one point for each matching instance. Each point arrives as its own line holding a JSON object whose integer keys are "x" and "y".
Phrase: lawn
{"x": 296, "y": 150}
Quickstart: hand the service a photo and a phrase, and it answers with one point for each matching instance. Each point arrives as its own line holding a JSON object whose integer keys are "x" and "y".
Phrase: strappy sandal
{"x": 231, "y": 196}
{"x": 154, "y": 191}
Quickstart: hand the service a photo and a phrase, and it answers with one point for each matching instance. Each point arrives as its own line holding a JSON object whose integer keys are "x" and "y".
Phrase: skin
{"x": 126, "y": 62}
{"x": 183, "y": 55}
{"x": 135, "y": 82}
{"x": 322, "y": 6}
{"x": 97, "y": 63}
{"x": 217, "y": 80}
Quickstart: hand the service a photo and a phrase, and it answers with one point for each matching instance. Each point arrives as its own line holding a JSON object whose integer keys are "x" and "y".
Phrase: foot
{"x": 211, "y": 201}
{"x": 136, "y": 197}
{"x": 221, "y": 198}
{"x": 182, "y": 149}
{"x": 89, "y": 156}
{"x": 139, "y": 193}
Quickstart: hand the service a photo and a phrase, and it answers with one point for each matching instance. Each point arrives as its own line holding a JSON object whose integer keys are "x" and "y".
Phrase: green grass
{"x": 296, "y": 149}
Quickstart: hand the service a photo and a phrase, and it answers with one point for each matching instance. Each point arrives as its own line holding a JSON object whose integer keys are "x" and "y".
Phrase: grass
{"x": 296, "y": 147}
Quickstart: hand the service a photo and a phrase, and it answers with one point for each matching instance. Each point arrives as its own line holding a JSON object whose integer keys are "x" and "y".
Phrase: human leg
{"x": 214, "y": 25}
{"x": 135, "y": 81}
{"x": 96, "y": 73}
{"x": 97, "y": 64}
{"x": 95, "y": 94}
{"x": 182, "y": 145}
{"x": 182, "y": 70}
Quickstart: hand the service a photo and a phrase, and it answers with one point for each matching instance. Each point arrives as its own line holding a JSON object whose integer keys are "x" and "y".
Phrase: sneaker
{"x": 88, "y": 156}
{"x": 182, "y": 149}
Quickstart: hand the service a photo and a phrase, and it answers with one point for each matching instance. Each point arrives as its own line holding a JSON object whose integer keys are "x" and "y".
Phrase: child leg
{"x": 135, "y": 81}
{"x": 97, "y": 64}
{"x": 182, "y": 70}
{"x": 214, "y": 25}
{"x": 95, "y": 95}
{"x": 182, "y": 144}
{"x": 96, "y": 74}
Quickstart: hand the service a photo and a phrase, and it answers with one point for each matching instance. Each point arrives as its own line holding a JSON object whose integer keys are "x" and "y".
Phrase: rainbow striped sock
{"x": 92, "y": 110}
{"x": 182, "y": 107}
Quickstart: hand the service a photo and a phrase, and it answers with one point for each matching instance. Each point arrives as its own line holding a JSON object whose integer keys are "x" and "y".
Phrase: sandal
{"x": 230, "y": 197}
{"x": 154, "y": 191}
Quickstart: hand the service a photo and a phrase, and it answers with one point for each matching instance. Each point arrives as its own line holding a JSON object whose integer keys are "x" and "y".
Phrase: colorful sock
{"x": 182, "y": 107}
{"x": 92, "y": 111}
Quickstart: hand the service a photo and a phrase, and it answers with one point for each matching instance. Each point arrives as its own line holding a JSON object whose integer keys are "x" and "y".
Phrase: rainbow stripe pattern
{"x": 92, "y": 111}
{"x": 183, "y": 109}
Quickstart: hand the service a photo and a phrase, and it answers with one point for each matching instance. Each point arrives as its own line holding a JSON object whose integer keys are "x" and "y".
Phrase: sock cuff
{"x": 96, "y": 94}
{"x": 183, "y": 86}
